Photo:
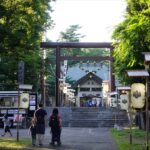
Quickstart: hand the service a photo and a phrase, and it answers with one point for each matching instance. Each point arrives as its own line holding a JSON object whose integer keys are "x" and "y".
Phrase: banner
{"x": 137, "y": 95}
{"x": 65, "y": 70}
{"x": 124, "y": 101}
{"x": 24, "y": 100}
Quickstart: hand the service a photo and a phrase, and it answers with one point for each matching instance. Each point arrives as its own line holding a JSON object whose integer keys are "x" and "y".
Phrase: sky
{"x": 97, "y": 18}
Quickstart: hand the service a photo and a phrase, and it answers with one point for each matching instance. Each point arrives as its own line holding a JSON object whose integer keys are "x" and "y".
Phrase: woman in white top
{"x": 6, "y": 122}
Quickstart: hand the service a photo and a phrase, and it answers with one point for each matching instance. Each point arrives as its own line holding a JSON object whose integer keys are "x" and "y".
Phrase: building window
{"x": 84, "y": 89}
{"x": 96, "y": 89}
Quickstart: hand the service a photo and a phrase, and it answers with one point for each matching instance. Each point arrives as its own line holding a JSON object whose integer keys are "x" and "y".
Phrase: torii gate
{"x": 59, "y": 58}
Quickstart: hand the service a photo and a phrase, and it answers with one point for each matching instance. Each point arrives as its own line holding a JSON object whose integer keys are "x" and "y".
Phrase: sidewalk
{"x": 76, "y": 139}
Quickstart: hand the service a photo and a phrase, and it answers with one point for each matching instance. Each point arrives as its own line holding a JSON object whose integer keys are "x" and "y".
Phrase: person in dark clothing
{"x": 32, "y": 131}
{"x": 55, "y": 125}
{"x": 39, "y": 116}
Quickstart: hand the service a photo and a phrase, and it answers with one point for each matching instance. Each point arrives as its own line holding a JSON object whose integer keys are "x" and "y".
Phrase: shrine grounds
{"x": 79, "y": 139}
{"x": 72, "y": 139}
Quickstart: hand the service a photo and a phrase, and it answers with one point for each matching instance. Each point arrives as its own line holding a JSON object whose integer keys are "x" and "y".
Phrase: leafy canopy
{"x": 131, "y": 38}
{"x": 22, "y": 23}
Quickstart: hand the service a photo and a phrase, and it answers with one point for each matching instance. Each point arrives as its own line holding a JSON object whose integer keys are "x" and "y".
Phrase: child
{"x": 32, "y": 131}
{"x": 6, "y": 122}
{"x": 55, "y": 125}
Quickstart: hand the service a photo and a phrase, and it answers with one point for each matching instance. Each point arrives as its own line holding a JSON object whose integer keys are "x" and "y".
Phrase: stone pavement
{"x": 76, "y": 139}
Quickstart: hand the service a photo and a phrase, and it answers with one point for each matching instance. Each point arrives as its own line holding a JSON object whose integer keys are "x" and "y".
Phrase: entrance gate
{"x": 59, "y": 58}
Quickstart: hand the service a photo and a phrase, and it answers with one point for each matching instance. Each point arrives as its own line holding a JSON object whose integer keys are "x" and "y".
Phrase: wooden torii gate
{"x": 59, "y": 58}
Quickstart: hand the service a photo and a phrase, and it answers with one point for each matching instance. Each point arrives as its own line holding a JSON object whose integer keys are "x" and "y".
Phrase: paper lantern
{"x": 137, "y": 95}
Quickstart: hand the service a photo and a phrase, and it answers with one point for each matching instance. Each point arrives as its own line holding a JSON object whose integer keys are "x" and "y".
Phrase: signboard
{"x": 32, "y": 102}
{"x": 24, "y": 100}
{"x": 25, "y": 86}
{"x": 138, "y": 95}
{"x": 113, "y": 102}
{"x": 65, "y": 90}
{"x": 61, "y": 86}
{"x": 124, "y": 101}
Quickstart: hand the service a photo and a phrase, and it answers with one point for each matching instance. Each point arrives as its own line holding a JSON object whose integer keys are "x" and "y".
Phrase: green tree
{"x": 71, "y": 34}
{"x": 22, "y": 24}
{"x": 131, "y": 38}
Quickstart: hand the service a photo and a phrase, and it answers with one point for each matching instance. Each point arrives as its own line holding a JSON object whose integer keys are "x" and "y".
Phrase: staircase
{"x": 110, "y": 117}
{"x": 96, "y": 117}
{"x": 84, "y": 117}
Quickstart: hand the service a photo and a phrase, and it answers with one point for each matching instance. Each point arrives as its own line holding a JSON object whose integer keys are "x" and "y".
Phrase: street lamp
{"x": 147, "y": 62}
{"x": 21, "y": 87}
{"x": 114, "y": 93}
{"x": 142, "y": 73}
{"x": 128, "y": 88}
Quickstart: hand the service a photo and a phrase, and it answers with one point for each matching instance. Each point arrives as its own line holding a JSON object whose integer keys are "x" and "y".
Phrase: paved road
{"x": 77, "y": 139}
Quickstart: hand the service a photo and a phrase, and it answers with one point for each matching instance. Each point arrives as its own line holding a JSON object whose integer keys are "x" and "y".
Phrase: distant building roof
{"x": 87, "y": 77}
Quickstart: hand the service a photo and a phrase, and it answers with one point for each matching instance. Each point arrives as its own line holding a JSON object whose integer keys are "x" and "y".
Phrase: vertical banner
{"x": 137, "y": 95}
{"x": 65, "y": 70}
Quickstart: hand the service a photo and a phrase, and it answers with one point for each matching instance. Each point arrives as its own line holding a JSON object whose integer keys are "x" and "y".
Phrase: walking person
{"x": 32, "y": 131}
{"x": 55, "y": 125}
{"x": 39, "y": 116}
{"x": 7, "y": 125}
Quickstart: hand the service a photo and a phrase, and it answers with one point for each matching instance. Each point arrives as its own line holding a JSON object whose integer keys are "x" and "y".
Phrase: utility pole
{"x": 57, "y": 75}
{"x": 20, "y": 81}
{"x": 43, "y": 78}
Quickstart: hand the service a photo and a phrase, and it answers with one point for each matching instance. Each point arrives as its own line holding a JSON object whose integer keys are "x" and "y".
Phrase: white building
{"x": 89, "y": 88}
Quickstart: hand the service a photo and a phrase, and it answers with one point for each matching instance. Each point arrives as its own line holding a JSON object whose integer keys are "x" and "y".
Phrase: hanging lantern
{"x": 138, "y": 95}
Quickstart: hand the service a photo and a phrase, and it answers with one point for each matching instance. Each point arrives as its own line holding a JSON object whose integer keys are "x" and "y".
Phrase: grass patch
{"x": 12, "y": 144}
{"x": 123, "y": 141}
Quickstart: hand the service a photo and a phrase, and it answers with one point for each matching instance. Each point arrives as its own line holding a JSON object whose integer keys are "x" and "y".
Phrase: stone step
{"x": 85, "y": 126}
{"x": 94, "y": 117}
{"x": 85, "y": 113}
{"x": 84, "y": 116}
{"x": 85, "y": 109}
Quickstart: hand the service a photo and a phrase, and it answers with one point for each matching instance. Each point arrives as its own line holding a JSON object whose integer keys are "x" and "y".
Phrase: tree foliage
{"x": 71, "y": 34}
{"x": 22, "y": 24}
{"x": 131, "y": 38}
